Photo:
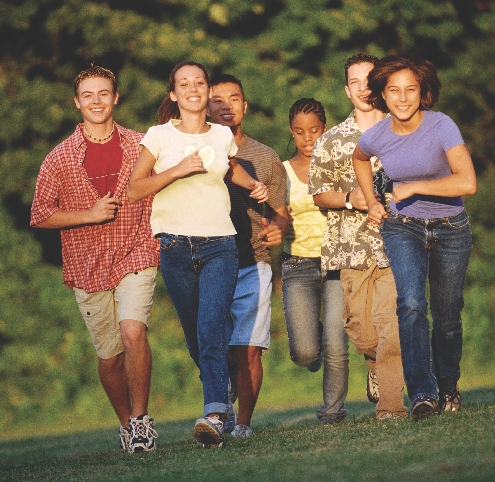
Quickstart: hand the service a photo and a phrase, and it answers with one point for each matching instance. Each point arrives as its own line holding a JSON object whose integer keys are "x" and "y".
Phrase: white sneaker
{"x": 125, "y": 438}
{"x": 242, "y": 431}
{"x": 209, "y": 432}
{"x": 142, "y": 434}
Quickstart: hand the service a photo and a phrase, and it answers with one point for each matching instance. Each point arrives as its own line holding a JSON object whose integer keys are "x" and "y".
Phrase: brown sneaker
{"x": 450, "y": 401}
{"x": 424, "y": 408}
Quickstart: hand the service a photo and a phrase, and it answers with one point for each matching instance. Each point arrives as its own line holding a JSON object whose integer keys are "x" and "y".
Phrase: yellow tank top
{"x": 308, "y": 226}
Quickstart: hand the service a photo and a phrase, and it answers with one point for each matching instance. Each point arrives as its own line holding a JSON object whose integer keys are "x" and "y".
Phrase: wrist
{"x": 348, "y": 204}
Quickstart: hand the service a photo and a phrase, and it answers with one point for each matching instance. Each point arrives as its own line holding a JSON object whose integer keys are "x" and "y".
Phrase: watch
{"x": 348, "y": 203}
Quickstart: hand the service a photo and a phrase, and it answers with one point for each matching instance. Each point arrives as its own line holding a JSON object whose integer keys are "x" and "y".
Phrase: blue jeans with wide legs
{"x": 313, "y": 306}
{"x": 437, "y": 251}
{"x": 200, "y": 274}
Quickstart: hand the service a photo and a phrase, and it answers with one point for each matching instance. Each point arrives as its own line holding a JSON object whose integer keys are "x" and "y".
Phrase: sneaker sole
{"x": 423, "y": 412}
{"x": 207, "y": 435}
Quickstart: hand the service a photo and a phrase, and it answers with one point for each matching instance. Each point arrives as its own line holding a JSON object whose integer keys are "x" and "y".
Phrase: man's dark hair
{"x": 227, "y": 79}
{"x": 358, "y": 59}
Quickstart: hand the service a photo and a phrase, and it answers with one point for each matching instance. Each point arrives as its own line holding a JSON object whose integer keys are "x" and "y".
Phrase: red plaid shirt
{"x": 95, "y": 257}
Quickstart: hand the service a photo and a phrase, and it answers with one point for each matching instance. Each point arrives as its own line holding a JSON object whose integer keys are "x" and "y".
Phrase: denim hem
{"x": 214, "y": 407}
{"x": 422, "y": 396}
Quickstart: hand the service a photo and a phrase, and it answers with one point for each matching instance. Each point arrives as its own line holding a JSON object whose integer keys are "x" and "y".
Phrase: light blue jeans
{"x": 434, "y": 250}
{"x": 200, "y": 274}
{"x": 313, "y": 306}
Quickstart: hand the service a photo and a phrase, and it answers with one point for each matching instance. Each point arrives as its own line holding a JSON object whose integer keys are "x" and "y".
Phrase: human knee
{"x": 133, "y": 333}
{"x": 411, "y": 305}
{"x": 303, "y": 358}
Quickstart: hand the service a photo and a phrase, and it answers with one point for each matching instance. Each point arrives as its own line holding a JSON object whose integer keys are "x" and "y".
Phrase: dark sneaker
{"x": 125, "y": 438}
{"x": 242, "y": 431}
{"x": 231, "y": 416}
{"x": 142, "y": 434}
{"x": 372, "y": 388}
{"x": 209, "y": 432}
{"x": 424, "y": 408}
{"x": 450, "y": 401}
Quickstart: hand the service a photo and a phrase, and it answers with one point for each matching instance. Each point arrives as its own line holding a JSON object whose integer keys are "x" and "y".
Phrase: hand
{"x": 105, "y": 209}
{"x": 191, "y": 164}
{"x": 402, "y": 191}
{"x": 271, "y": 234}
{"x": 259, "y": 191}
{"x": 357, "y": 199}
{"x": 376, "y": 212}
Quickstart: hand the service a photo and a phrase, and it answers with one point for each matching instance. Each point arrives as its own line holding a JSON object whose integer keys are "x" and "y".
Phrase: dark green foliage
{"x": 282, "y": 50}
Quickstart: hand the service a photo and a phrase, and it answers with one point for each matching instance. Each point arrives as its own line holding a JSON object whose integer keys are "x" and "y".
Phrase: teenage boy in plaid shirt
{"x": 109, "y": 255}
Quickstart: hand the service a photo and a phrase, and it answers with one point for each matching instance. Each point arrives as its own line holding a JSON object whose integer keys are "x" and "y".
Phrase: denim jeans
{"x": 200, "y": 275}
{"x": 437, "y": 251}
{"x": 306, "y": 294}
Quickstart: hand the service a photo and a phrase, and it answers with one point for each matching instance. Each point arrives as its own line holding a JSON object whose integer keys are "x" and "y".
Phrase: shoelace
{"x": 143, "y": 429}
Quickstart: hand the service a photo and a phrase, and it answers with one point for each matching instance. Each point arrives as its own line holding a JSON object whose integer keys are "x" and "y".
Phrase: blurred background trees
{"x": 282, "y": 50}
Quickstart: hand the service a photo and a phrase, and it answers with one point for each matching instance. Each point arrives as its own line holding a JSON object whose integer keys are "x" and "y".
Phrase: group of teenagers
{"x": 368, "y": 212}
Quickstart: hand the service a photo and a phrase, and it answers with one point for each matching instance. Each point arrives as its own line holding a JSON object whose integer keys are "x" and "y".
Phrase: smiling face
{"x": 95, "y": 99}
{"x": 306, "y": 129}
{"x": 191, "y": 89}
{"x": 226, "y": 105}
{"x": 402, "y": 94}
{"x": 357, "y": 85}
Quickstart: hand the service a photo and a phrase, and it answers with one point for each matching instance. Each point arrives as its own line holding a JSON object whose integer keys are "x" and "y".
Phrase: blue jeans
{"x": 437, "y": 251}
{"x": 305, "y": 292}
{"x": 200, "y": 274}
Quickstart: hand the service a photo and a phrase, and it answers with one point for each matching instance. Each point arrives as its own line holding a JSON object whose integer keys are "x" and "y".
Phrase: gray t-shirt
{"x": 419, "y": 155}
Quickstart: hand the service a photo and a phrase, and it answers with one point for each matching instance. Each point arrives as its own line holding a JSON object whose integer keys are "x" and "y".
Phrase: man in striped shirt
{"x": 109, "y": 255}
{"x": 258, "y": 227}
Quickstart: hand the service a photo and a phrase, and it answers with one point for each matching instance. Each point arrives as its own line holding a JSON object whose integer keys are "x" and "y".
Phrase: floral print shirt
{"x": 349, "y": 242}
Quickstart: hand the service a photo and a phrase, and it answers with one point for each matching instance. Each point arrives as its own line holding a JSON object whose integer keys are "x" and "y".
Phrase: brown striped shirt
{"x": 264, "y": 165}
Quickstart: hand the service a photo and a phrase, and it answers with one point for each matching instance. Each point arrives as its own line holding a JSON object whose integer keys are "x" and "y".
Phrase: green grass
{"x": 289, "y": 446}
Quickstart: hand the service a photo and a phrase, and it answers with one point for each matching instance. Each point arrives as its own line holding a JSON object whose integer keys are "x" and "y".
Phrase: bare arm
{"x": 275, "y": 228}
{"x": 103, "y": 210}
{"x": 336, "y": 200}
{"x": 364, "y": 175}
{"x": 461, "y": 182}
{"x": 239, "y": 176}
{"x": 142, "y": 185}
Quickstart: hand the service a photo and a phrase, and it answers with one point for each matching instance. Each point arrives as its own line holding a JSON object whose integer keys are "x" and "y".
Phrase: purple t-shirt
{"x": 419, "y": 155}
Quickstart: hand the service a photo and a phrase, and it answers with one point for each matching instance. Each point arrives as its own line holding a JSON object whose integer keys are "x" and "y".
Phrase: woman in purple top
{"x": 426, "y": 229}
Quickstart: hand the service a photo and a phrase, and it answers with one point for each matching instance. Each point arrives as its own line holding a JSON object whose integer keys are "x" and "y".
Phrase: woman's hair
{"x": 307, "y": 106}
{"x": 424, "y": 71}
{"x": 168, "y": 108}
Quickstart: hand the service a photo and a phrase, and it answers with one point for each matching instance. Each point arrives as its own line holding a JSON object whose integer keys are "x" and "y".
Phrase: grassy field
{"x": 289, "y": 446}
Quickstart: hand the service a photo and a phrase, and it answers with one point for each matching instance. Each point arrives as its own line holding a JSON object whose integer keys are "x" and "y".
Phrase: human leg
{"x": 111, "y": 372}
{"x": 406, "y": 245}
{"x": 388, "y": 366}
{"x": 100, "y": 315}
{"x": 134, "y": 297}
{"x": 301, "y": 291}
{"x": 335, "y": 349}
{"x": 182, "y": 281}
{"x": 251, "y": 315}
{"x": 217, "y": 260}
{"x": 448, "y": 265}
